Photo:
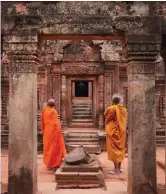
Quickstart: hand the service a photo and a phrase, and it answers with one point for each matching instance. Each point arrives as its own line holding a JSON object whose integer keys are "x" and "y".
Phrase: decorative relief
{"x": 18, "y": 38}
{"x": 81, "y": 50}
{"x": 26, "y": 67}
{"x": 23, "y": 57}
{"x": 85, "y": 68}
{"x": 56, "y": 69}
{"x": 20, "y": 47}
{"x": 132, "y": 25}
{"x": 141, "y": 68}
{"x": 143, "y": 48}
{"x": 111, "y": 50}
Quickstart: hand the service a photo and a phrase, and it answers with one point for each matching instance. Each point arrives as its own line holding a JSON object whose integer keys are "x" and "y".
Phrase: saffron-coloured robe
{"x": 53, "y": 141}
{"x": 116, "y": 120}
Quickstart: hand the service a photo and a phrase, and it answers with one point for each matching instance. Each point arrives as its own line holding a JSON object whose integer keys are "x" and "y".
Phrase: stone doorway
{"x": 81, "y": 102}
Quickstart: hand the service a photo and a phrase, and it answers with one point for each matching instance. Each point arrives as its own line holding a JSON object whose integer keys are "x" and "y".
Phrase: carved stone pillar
{"x": 111, "y": 80}
{"x": 101, "y": 102}
{"x": 56, "y": 82}
{"x": 141, "y": 54}
{"x": 63, "y": 101}
{"x": 23, "y": 62}
{"x": 49, "y": 83}
{"x": 157, "y": 98}
{"x": 108, "y": 88}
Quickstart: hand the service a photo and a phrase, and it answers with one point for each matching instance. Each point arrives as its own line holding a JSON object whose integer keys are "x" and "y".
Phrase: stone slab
{"x": 79, "y": 180}
{"x": 93, "y": 167}
{"x": 91, "y": 149}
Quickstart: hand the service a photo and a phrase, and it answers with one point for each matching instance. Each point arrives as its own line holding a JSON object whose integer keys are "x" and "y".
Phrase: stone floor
{"x": 115, "y": 184}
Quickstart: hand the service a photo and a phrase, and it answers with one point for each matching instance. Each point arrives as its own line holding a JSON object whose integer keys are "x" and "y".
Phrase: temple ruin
{"x": 80, "y": 54}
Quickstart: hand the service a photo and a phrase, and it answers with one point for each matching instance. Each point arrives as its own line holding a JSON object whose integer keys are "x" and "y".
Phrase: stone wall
{"x": 104, "y": 18}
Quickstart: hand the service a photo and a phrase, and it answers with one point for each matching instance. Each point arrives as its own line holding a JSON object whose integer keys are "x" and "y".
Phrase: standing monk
{"x": 116, "y": 119}
{"x": 53, "y": 141}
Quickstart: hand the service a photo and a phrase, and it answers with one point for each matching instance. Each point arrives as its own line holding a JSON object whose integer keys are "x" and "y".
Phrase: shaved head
{"x": 116, "y": 99}
{"x": 51, "y": 103}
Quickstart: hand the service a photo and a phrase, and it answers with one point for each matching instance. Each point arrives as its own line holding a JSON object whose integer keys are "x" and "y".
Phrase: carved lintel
{"x": 84, "y": 68}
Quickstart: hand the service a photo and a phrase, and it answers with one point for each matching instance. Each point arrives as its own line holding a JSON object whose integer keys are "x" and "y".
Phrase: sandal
{"x": 113, "y": 172}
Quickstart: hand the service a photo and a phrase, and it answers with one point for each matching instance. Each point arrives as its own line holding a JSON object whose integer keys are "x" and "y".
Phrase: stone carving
{"x": 54, "y": 47}
{"x": 23, "y": 57}
{"x": 63, "y": 101}
{"x": 20, "y": 47}
{"x": 77, "y": 156}
{"x": 111, "y": 50}
{"x": 101, "y": 101}
{"x": 143, "y": 47}
{"x": 26, "y": 67}
{"x": 81, "y": 50}
{"x": 141, "y": 68}
{"x": 81, "y": 68}
{"x": 80, "y": 170}
{"x": 130, "y": 24}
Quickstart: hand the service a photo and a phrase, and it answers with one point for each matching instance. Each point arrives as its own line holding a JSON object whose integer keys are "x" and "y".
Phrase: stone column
{"x": 108, "y": 87}
{"x": 49, "y": 83}
{"x": 157, "y": 98}
{"x": 101, "y": 102}
{"x": 141, "y": 54}
{"x": 63, "y": 101}
{"x": 56, "y": 82}
{"x": 23, "y": 61}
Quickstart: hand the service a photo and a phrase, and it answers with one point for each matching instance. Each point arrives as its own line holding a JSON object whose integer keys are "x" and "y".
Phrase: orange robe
{"x": 116, "y": 120}
{"x": 53, "y": 141}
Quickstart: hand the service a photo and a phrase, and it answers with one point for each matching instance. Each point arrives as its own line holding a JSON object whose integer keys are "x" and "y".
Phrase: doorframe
{"x": 93, "y": 79}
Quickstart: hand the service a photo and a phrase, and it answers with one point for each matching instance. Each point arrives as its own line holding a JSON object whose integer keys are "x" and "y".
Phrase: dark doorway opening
{"x": 81, "y": 89}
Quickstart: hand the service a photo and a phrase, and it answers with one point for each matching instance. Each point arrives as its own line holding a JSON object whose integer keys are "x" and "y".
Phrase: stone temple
{"x": 80, "y": 54}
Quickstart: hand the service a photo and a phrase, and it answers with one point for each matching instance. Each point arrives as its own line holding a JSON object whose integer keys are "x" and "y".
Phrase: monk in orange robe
{"x": 116, "y": 120}
{"x": 53, "y": 141}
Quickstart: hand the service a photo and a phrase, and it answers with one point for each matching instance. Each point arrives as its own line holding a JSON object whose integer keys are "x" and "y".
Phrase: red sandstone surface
{"x": 46, "y": 178}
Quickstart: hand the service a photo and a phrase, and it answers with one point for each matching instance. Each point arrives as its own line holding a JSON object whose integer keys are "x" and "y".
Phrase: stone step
{"x": 84, "y": 135}
{"x": 90, "y": 138}
{"x": 82, "y": 121}
{"x": 81, "y": 109}
{"x": 82, "y": 143}
{"x": 82, "y": 106}
{"x": 91, "y": 149}
{"x": 85, "y": 112}
{"x": 82, "y": 102}
{"x": 160, "y": 137}
{"x": 81, "y": 125}
{"x": 81, "y": 117}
